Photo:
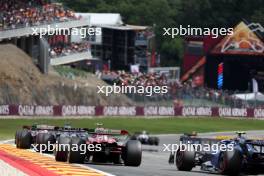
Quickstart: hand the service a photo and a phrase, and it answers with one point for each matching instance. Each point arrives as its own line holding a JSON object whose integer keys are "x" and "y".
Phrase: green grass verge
{"x": 68, "y": 71}
{"x": 159, "y": 125}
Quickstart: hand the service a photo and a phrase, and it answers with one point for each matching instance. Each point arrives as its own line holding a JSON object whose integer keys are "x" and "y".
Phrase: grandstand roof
{"x": 109, "y": 20}
{"x": 101, "y": 19}
{"x": 126, "y": 27}
{"x": 26, "y": 31}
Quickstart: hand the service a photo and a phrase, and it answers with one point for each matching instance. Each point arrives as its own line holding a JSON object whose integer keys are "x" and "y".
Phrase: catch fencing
{"x": 188, "y": 96}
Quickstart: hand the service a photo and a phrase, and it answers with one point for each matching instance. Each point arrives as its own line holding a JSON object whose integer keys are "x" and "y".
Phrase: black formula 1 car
{"x": 145, "y": 138}
{"x": 242, "y": 155}
{"x": 102, "y": 145}
{"x": 44, "y": 135}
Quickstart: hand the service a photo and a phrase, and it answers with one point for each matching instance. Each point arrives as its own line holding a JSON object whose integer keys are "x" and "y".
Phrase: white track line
{"x": 83, "y": 166}
{"x": 7, "y": 169}
{"x": 7, "y": 141}
{"x": 96, "y": 170}
{"x": 80, "y": 165}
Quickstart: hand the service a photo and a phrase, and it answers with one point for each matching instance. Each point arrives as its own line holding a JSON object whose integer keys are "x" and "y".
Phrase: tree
{"x": 172, "y": 13}
{"x": 258, "y": 16}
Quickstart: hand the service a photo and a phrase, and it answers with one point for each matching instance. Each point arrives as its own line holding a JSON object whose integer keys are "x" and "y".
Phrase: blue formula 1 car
{"x": 241, "y": 155}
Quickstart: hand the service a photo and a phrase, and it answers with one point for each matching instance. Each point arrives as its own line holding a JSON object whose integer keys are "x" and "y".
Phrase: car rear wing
{"x": 198, "y": 140}
{"x": 56, "y": 128}
{"x": 63, "y": 129}
{"x": 39, "y": 127}
{"x": 110, "y": 132}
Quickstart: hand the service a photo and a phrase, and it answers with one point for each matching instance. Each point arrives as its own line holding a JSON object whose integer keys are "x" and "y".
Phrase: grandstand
{"x": 118, "y": 46}
{"x": 121, "y": 45}
{"x": 18, "y": 18}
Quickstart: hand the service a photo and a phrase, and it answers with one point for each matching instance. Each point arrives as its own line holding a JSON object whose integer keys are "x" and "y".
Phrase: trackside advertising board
{"x": 79, "y": 110}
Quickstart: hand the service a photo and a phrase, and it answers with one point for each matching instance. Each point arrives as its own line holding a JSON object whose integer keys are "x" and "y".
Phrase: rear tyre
{"x": 132, "y": 153}
{"x": 17, "y": 138}
{"x": 151, "y": 141}
{"x": 76, "y": 156}
{"x": 39, "y": 140}
{"x": 230, "y": 162}
{"x": 62, "y": 149}
{"x": 156, "y": 141}
{"x": 25, "y": 139}
{"x": 185, "y": 160}
{"x": 47, "y": 140}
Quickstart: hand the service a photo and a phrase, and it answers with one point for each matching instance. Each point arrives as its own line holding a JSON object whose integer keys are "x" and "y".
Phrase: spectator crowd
{"x": 64, "y": 49}
{"x": 23, "y": 13}
{"x": 178, "y": 92}
{"x": 137, "y": 79}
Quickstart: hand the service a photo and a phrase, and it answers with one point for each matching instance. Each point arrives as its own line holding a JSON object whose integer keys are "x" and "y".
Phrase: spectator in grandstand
{"x": 66, "y": 49}
{"x": 177, "y": 91}
{"x": 134, "y": 79}
{"x": 23, "y": 13}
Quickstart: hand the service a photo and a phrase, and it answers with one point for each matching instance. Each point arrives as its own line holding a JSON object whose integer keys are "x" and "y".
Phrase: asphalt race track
{"x": 156, "y": 163}
{"x": 155, "y": 160}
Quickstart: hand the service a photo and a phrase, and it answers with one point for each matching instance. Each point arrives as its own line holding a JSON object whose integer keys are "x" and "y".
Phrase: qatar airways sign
{"x": 232, "y": 112}
{"x": 4, "y": 110}
{"x": 196, "y": 111}
{"x": 28, "y": 110}
{"x": 159, "y": 111}
{"x": 259, "y": 113}
{"x": 119, "y": 110}
{"x": 44, "y": 110}
{"x": 71, "y": 110}
{"x": 77, "y": 110}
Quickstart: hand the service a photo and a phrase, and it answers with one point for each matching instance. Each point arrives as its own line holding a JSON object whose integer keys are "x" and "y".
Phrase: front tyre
{"x": 62, "y": 149}
{"x": 156, "y": 141}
